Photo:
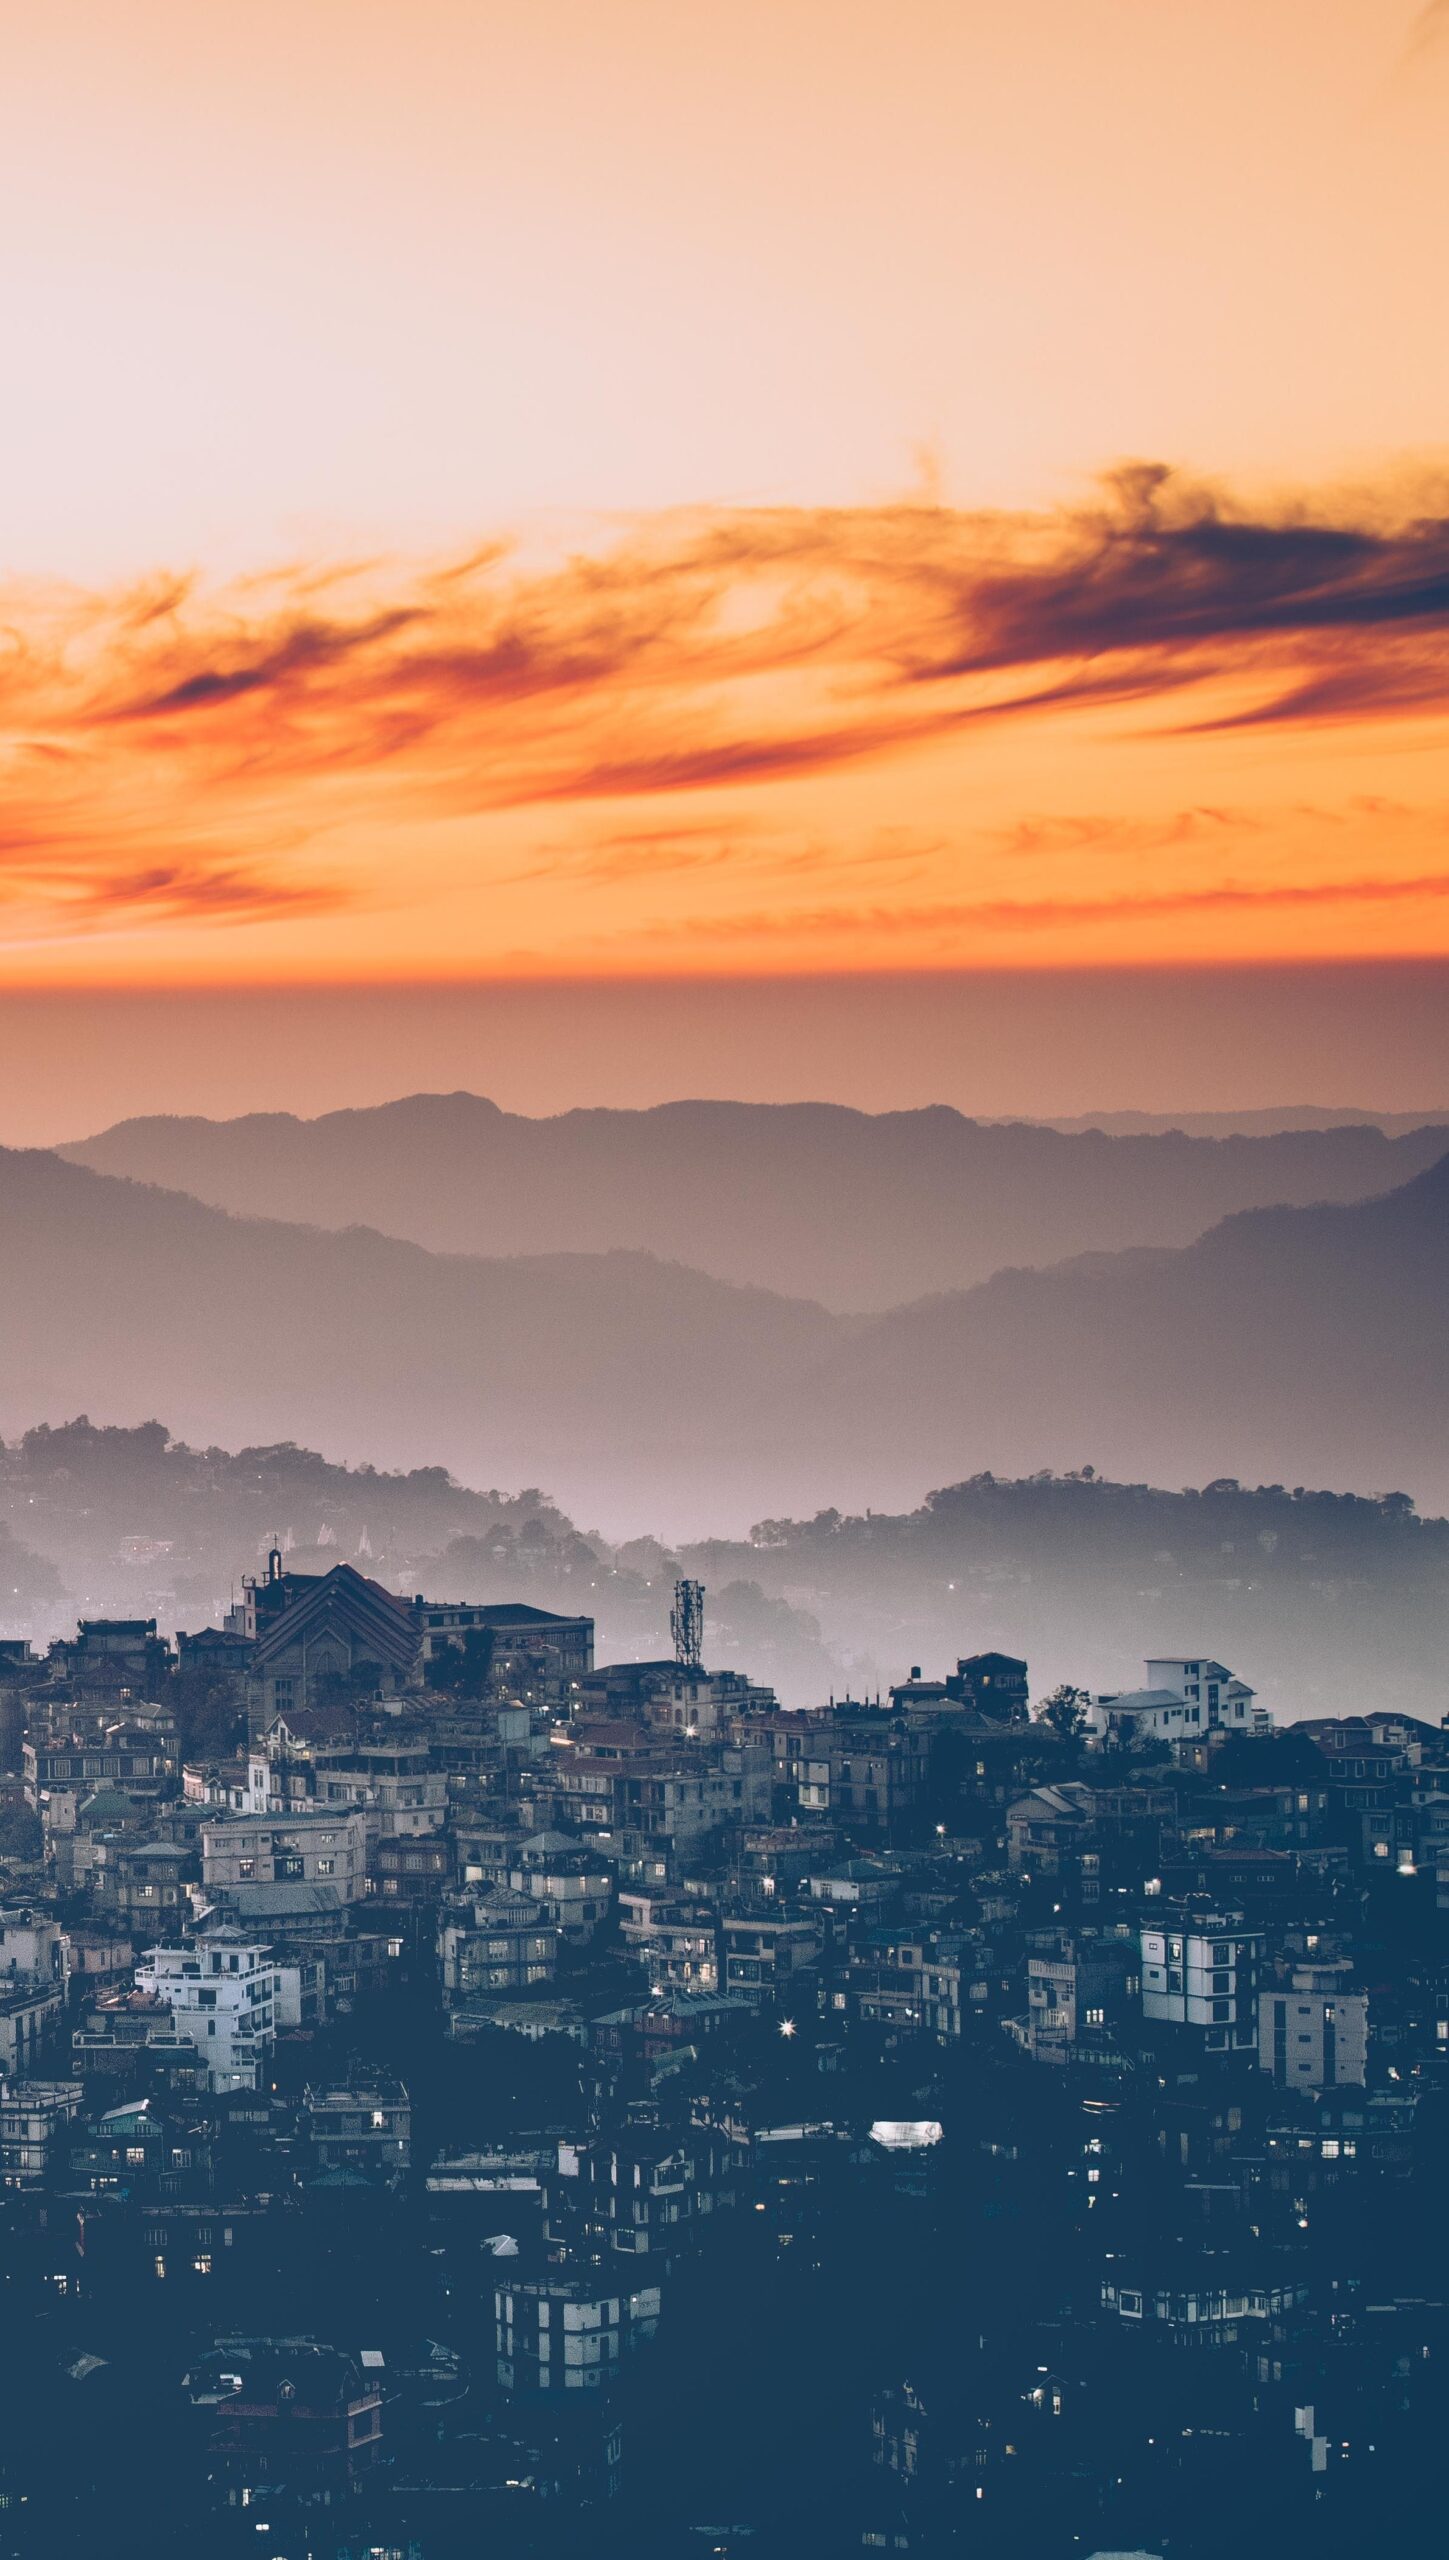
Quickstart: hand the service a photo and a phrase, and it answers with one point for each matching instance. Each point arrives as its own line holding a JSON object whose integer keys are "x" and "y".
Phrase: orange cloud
{"x": 309, "y": 747}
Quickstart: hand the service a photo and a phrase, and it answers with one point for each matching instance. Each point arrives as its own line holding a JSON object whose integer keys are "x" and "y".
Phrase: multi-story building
{"x": 33, "y": 1946}
{"x": 676, "y": 1941}
{"x": 393, "y": 1785}
{"x": 147, "y": 1885}
{"x": 560, "y": 2332}
{"x": 516, "y": 1651}
{"x": 1183, "y": 1699}
{"x": 225, "y": 1996}
{"x": 1047, "y": 1830}
{"x": 412, "y": 1870}
{"x": 287, "y": 2410}
{"x": 121, "y": 1756}
{"x": 1078, "y": 1987}
{"x": 654, "y": 2193}
{"x": 875, "y": 1765}
{"x": 34, "y": 2115}
{"x": 242, "y": 1852}
{"x": 498, "y": 1943}
{"x": 764, "y": 1950}
{"x": 1314, "y": 2034}
{"x": 366, "y": 2125}
{"x": 1200, "y": 1973}
{"x": 113, "y": 1658}
{"x": 571, "y": 1888}
{"x": 30, "y": 2013}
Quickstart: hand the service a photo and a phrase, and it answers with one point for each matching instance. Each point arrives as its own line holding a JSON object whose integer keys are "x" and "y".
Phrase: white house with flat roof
{"x": 1185, "y": 1697}
{"x": 225, "y": 1996}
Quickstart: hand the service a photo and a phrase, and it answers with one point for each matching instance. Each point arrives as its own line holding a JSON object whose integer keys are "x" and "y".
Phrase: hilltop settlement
{"x": 457, "y": 2096}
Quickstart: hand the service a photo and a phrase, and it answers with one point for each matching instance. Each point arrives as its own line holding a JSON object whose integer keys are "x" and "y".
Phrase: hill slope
{"x": 1295, "y": 1345}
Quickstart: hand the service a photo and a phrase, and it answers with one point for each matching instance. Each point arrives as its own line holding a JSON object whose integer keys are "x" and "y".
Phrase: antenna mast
{"x": 686, "y": 1625}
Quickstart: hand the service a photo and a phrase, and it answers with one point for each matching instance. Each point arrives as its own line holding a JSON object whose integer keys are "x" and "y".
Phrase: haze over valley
{"x": 1292, "y": 1344}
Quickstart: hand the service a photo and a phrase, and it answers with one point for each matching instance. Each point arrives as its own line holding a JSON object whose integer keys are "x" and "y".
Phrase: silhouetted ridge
{"x": 862, "y": 1211}
{"x": 1291, "y": 1345}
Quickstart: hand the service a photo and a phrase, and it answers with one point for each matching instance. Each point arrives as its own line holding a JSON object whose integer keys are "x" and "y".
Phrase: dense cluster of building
{"x": 457, "y": 2095}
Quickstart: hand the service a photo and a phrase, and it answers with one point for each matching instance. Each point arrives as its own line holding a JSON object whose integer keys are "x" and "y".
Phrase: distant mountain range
{"x": 859, "y": 1212}
{"x": 1287, "y": 1344}
{"x": 1250, "y": 1124}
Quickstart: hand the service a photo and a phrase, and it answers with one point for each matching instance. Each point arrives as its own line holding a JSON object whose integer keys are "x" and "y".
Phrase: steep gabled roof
{"x": 373, "y": 1620}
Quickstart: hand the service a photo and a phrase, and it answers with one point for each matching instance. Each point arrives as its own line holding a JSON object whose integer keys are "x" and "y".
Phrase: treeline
{"x": 1324, "y": 1600}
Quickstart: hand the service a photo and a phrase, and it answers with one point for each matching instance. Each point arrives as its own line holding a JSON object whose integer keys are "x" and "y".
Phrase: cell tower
{"x": 686, "y": 1625}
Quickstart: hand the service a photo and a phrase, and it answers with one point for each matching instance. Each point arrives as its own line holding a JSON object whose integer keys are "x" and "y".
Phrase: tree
{"x": 1065, "y": 1711}
{"x": 463, "y": 1669}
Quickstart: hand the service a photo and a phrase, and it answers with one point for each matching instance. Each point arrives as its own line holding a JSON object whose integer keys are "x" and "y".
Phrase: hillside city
{"x": 460, "y": 2096}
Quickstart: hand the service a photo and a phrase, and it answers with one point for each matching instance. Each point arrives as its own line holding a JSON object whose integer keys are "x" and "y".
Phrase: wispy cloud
{"x": 1049, "y": 915}
{"x": 176, "y": 752}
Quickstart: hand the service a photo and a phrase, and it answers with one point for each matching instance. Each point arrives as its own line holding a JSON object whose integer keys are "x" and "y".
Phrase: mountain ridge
{"x": 859, "y": 1211}
{"x": 1292, "y": 1343}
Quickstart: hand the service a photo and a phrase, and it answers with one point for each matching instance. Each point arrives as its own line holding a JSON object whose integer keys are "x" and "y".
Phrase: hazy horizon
{"x": 993, "y": 1044}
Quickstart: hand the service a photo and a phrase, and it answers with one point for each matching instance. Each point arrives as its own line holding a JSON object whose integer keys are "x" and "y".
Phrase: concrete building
{"x": 656, "y": 2193}
{"x": 677, "y": 1942}
{"x": 393, "y": 1785}
{"x": 532, "y": 1655}
{"x": 1314, "y": 2034}
{"x": 765, "y": 1950}
{"x": 30, "y": 2012}
{"x": 558, "y": 2332}
{"x": 242, "y": 1852}
{"x": 571, "y": 1888}
{"x": 499, "y": 1942}
{"x": 34, "y": 2115}
{"x": 1200, "y": 1973}
{"x": 366, "y": 2125}
{"x": 146, "y": 1885}
{"x": 33, "y": 1947}
{"x": 225, "y": 1997}
{"x": 1183, "y": 1699}
{"x": 1077, "y": 1990}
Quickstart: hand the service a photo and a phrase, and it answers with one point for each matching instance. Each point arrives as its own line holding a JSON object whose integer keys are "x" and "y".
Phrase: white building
{"x": 1184, "y": 1698}
{"x": 225, "y": 1996}
{"x": 1200, "y": 1971}
{"x": 33, "y": 1947}
{"x": 559, "y": 2332}
{"x": 1314, "y": 2035}
{"x": 1226, "y": 1700}
{"x": 571, "y": 1888}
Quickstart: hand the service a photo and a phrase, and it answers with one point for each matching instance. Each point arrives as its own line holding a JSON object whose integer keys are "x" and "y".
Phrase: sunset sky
{"x": 586, "y": 497}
